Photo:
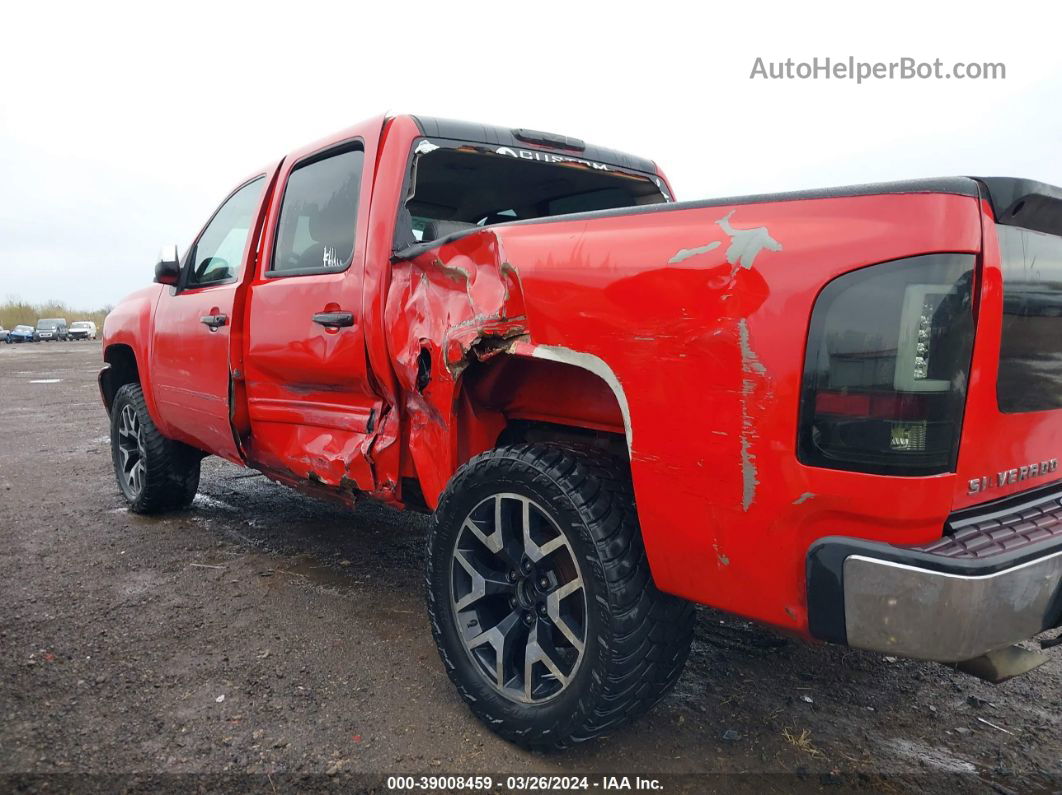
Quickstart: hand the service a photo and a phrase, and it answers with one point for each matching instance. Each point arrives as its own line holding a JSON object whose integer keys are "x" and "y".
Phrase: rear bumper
{"x": 917, "y": 602}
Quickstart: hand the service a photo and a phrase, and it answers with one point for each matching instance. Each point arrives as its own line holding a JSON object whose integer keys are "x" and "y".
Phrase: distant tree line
{"x": 14, "y": 311}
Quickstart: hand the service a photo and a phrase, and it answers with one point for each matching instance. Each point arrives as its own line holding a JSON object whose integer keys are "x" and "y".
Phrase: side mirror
{"x": 168, "y": 268}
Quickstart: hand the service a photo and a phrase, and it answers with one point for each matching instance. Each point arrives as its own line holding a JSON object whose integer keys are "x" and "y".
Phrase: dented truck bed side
{"x": 694, "y": 319}
{"x": 677, "y": 330}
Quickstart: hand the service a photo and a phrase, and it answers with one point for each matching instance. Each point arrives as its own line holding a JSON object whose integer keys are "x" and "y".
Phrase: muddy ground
{"x": 264, "y": 633}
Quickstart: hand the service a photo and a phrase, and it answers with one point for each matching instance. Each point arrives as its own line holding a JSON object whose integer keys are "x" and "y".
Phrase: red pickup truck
{"x": 837, "y": 411}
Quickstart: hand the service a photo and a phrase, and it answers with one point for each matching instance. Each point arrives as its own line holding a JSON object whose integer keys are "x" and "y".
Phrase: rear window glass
{"x": 459, "y": 186}
{"x": 1030, "y": 356}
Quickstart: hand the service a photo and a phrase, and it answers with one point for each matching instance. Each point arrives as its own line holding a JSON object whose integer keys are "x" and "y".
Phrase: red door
{"x": 310, "y": 398}
{"x": 190, "y": 361}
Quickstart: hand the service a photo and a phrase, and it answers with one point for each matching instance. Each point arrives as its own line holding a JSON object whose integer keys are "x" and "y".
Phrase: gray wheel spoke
{"x": 138, "y": 475}
{"x": 485, "y": 582}
{"x": 553, "y": 601}
{"x": 533, "y": 549}
{"x": 493, "y": 541}
{"x": 502, "y": 637}
{"x": 540, "y": 649}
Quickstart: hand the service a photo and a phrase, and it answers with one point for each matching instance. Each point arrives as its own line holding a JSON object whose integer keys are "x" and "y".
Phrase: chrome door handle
{"x": 214, "y": 322}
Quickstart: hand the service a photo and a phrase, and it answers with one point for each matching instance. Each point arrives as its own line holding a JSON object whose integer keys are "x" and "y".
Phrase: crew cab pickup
{"x": 837, "y": 412}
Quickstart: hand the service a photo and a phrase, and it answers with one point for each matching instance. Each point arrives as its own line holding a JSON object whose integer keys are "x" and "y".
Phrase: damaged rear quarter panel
{"x": 449, "y": 306}
{"x": 702, "y": 314}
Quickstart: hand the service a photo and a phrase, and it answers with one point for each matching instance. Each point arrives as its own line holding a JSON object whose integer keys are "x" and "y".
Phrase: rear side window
{"x": 319, "y": 215}
{"x": 1030, "y": 355}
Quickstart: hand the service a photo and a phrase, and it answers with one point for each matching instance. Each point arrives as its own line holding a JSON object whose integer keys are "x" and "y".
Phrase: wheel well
{"x": 511, "y": 399}
{"x": 122, "y": 371}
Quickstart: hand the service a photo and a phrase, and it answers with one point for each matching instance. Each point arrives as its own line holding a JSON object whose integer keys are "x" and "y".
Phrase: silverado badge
{"x": 1008, "y": 476}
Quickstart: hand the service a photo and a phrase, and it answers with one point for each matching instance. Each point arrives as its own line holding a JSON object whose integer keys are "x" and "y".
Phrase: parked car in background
{"x": 3, "y": 334}
{"x": 52, "y": 329}
{"x": 21, "y": 334}
{"x": 82, "y": 330}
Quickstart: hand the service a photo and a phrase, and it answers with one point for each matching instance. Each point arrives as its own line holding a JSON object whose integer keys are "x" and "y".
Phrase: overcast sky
{"x": 121, "y": 127}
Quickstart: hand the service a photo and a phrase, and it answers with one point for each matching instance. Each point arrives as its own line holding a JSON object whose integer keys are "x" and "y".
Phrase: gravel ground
{"x": 265, "y": 641}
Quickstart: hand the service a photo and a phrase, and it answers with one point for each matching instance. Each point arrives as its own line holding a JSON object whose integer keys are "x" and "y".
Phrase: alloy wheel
{"x": 518, "y": 598}
{"x": 131, "y": 451}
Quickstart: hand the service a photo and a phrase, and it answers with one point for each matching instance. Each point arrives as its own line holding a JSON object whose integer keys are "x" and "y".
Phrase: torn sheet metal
{"x": 447, "y": 308}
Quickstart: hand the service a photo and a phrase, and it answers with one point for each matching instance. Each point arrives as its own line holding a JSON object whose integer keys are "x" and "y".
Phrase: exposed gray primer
{"x": 746, "y": 244}
{"x": 807, "y": 495}
{"x": 750, "y": 365}
{"x": 723, "y": 559}
{"x": 685, "y": 253}
{"x": 750, "y": 362}
{"x": 597, "y": 366}
{"x": 749, "y": 479}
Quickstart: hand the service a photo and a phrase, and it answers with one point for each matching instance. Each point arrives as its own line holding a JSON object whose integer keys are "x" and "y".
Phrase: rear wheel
{"x": 540, "y": 596}
{"x": 154, "y": 474}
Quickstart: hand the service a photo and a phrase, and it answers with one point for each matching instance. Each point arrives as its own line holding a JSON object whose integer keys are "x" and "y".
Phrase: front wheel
{"x": 155, "y": 474}
{"x": 541, "y": 600}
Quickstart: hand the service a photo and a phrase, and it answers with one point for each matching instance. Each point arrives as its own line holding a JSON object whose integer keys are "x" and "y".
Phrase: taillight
{"x": 887, "y": 363}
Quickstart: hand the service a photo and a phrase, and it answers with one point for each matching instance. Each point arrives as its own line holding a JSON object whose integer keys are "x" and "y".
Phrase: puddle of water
{"x": 315, "y": 572}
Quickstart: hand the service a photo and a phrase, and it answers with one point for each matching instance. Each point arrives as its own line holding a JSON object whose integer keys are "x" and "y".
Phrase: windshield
{"x": 81, "y": 324}
{"x": 47, "y": 324}
{"x": 22, "y": 329}
{"x": 458, "y": 186}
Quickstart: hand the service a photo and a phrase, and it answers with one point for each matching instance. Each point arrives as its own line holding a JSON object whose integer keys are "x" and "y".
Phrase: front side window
{"x": 1030, "y": 355}
{"x": 218, "y": 253}
{"x": 315, "y": 233}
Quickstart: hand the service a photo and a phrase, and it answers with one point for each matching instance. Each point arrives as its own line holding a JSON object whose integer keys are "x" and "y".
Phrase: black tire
{"x": 636, "y": 639}
{"x": 169, "y": 474}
